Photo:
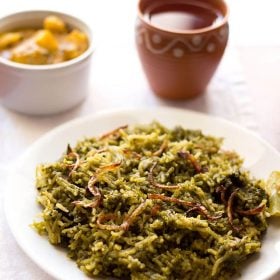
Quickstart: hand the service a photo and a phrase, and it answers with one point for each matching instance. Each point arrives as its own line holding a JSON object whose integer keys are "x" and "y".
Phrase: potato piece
{"x": 8, "y": 39}
{"x": 70, "y": 54}
{"x": 32, "y": 59}
{"x": 69, "y": 50}
{"x": 54, "y": 24}
{"x": 28, "y": 52}
{"x": 45, "y": 39}
{"x": 79, "y": 38}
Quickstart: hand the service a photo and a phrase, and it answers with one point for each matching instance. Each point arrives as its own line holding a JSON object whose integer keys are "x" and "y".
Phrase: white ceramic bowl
{"x": 44, "y": 89}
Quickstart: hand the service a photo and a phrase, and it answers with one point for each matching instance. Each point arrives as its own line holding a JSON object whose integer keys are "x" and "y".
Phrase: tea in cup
{"x": 180, "y": 44}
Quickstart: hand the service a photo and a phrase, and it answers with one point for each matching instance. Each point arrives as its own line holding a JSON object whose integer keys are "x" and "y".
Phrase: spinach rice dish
{"x": 149, "y": 202}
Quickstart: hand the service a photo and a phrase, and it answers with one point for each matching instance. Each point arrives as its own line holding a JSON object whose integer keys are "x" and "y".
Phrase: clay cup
{"x": 180, "y": 63}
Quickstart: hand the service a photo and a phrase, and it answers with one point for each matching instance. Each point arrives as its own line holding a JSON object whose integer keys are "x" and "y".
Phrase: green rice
{"x": 148, "y": 202}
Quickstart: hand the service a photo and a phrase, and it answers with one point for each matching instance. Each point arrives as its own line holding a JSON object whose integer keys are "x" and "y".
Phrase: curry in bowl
{"x": 54, "y": 43}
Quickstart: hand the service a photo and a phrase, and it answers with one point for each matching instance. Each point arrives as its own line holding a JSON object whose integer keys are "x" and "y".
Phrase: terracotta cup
{"x": 180, "y": 63}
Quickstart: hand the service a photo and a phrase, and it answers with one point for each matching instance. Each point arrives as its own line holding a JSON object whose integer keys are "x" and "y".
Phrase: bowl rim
{"x": 175, "y": 31}
{"x": 64, "y": 64}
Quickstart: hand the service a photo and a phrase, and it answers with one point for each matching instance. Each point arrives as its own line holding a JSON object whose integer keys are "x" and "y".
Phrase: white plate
{"x": 21, "y": 207}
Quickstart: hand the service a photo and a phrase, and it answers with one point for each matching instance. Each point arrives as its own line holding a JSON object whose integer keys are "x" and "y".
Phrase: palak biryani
{"x": 148, "y": 202}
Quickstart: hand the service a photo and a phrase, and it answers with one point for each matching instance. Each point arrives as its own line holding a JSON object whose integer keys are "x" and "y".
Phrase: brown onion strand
{"x": 113, "y": 132}
{"x": 130, "y": 152}
{"x": 194, "y": 206}
{"x": 222, "y": 191}
{"x": 163, "y": 146}
{"x": 188, "y": 156}
{"x": 151, "y": 179}
{"x": 125, "y": 224}
{"x": 93, "y": 204}
{"x": 251, "y": 212}
{"x": 107, "y": 217}
{"x": 230, "y": 210}
{"x": 94, "y": 191}
{"x": 75, "y": 165}
{"x": 110, "y": 167}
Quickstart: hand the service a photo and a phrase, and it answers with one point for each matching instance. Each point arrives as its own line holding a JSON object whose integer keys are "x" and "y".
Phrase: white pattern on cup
{"x": 211, "y": 47}
{"x": 178, "y": 52}
{"x": 156, "y": 38}
{"x": 196, "y": 40}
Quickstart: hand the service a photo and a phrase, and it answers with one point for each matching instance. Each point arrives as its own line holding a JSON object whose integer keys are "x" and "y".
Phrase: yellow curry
{"x": 54, "y": 43}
